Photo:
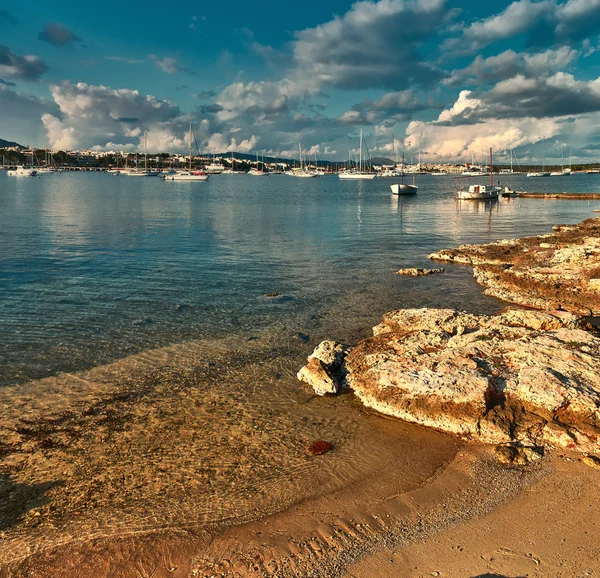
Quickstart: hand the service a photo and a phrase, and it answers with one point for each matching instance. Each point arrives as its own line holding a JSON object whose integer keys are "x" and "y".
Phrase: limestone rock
{"x": 523, "y": 376}
{"x": 315, "y": 374}
{"x": 554, "y": 271}
{"x": 518, "y": 455}
{"x": 418, "y": 272}
{"x": 330, "y": 353}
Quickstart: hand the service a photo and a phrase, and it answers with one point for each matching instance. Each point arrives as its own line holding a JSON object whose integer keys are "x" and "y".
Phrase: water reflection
{"x": 95, "y": 267}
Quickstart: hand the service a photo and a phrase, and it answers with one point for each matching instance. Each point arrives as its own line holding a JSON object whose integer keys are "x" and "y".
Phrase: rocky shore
{"x": 522, "y": 379}
{"x": 560, "y": 270}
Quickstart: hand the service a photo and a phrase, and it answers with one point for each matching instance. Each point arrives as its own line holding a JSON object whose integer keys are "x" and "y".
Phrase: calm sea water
{"x": 95, "y": 267}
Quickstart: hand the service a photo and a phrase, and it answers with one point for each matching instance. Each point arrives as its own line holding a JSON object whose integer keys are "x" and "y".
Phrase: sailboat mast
{"x": 190, "y": 147}
{"x": 360, "y": 161}
{"x": 491, "y": 169}
{"x": 146, "y": 151}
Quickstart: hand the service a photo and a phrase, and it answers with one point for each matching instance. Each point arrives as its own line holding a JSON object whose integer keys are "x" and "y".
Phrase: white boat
{"x": 440, "y": 174}
{"x": 479, "y": 192}
{"x": 302, "y": 172}
{"x": 190, "y": 175}
{"x": 403, "y": 188}
{"x": 22, "y": 172}
{"x": 360, "y": 174}
{"x": 356, "y": 176}
{"x": 259, "y": 172}
{"x": 541, "y": 173}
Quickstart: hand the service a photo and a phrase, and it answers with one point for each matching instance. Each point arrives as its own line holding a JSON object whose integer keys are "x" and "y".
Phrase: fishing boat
{"x": 190, "y": 175}
{"x": 479, "y": 192}
{"x": 403, "y": 188}
{"x": 359, "y": 174}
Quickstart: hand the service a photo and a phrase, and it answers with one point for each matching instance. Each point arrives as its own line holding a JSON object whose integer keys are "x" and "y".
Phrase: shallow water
{"x": 94, "y": 268}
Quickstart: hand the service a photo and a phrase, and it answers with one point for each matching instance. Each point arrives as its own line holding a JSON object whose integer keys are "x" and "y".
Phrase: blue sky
{"x": 448, "y": 78}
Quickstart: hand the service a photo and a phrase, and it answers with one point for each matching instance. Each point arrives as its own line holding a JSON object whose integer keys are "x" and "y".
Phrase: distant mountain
{"x": 381, "y": 161}
{"x": 7, "y": 143}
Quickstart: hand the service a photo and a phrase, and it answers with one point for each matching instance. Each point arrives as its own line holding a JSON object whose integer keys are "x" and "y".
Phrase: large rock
{"x": 559, "y": 270}
{"x": 522, "y": 376}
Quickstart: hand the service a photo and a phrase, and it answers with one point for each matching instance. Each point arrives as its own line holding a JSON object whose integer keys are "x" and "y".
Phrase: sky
{"x": 444, "y": 79}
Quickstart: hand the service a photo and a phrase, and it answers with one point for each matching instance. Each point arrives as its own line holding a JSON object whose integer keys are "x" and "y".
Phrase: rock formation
{"x": 522, "y": 376}
{"x": 418, "y": 271}
{"x": 560, "y": 270}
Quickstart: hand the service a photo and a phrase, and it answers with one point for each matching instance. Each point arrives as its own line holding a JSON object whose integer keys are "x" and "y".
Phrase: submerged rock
{"x": 319, "y": 448}
{"x": 418, "y": 272}
{"x": 522, "y": 377}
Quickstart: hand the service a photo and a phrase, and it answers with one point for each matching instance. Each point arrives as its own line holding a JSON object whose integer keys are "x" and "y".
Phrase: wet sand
{"x": 105, "y": 468}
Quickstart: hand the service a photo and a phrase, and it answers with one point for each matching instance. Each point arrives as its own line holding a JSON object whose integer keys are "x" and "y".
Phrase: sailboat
{"x": 563, "y": 172}
{"x": 189, "y": 175}
{"x": 361, "y": 174}
{"x": 479, "y": 192}
{"x": 303, "y": 173}
{"x": 543, "y": 173}
{"x": 232, "y": 170}
{"x": 256, "y": 172}
{"x": 145, "y": 172}
{"x": 402, "y": 188}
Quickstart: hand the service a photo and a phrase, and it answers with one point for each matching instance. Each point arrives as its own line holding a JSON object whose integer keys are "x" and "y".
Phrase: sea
{"x": 95, "y": 268}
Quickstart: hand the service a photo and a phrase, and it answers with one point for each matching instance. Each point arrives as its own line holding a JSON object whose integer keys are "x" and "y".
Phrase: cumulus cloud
{"x": 21, "y": 113}
{"x": 259, "y": 99}
{"x": 58, "y": 35}
{"x": 91, "y": 115}
{"x": 26, "y": 67}
{"x": 544, "y": 23}
{"x": 509, "y": 63}
{"x": 553, "y": 96}
{"x": 365, "y": 48}
{"x": 218, "y": 143}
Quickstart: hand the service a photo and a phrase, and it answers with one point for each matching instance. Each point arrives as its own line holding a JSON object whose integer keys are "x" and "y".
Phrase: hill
{"x": 7, "y": 143}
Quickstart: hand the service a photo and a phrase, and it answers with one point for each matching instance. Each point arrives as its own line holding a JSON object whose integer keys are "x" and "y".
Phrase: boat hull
{"x": 403, "y": 189}
{"x": 469, "y": 196}
{"x": 187, "y": 178}
{"x": 356, "y": 176}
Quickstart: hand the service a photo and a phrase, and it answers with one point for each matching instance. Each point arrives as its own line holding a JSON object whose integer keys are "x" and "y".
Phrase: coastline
{"x": 387, "y": 487}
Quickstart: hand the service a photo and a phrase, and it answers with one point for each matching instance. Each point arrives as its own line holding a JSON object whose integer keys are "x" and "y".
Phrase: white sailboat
{"x": 543, "y": 173}
{"x": 403, "y": 188}
{"x": 361, "y": 174}
{"x": 303, "y": 172}
{"x": 479, "y": 192}
{"x": 256, "y": 172}
{"x": 136, "y": 172}
{"x": 189, "y": 175}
